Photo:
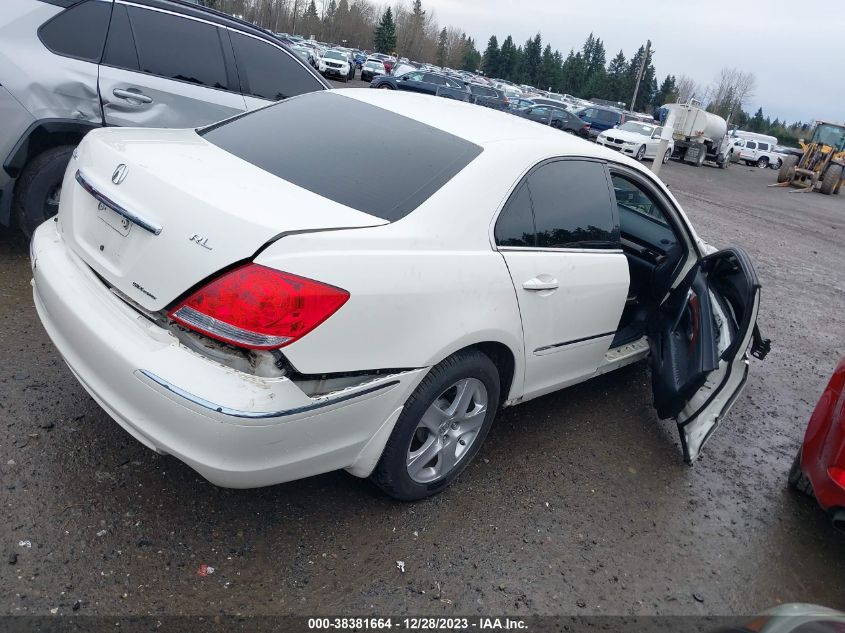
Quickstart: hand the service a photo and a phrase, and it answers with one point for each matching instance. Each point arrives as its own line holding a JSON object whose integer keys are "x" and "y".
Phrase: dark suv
{"x": 600, "y": 118}
{"x": 67, "y": 66}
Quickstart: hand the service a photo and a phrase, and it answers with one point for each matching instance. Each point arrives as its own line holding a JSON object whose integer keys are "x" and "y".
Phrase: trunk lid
{"x": 155, "y": 212}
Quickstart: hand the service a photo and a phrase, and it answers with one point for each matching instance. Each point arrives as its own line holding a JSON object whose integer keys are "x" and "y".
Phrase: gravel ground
{"x": 578, "y": 503}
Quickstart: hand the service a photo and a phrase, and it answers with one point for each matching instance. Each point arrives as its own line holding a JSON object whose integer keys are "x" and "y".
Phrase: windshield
{"x": 335, "y": 55}
{"x": 375, "y": 65}
{"x": 832, "y": 135}
{"x": 637, "y": 128}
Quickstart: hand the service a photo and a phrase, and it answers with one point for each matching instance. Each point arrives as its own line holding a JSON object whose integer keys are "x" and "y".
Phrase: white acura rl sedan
{"x": 241, "y": 297}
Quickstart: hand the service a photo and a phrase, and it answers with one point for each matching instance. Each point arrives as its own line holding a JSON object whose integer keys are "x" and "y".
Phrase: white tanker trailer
{"x": 699, "y": 135}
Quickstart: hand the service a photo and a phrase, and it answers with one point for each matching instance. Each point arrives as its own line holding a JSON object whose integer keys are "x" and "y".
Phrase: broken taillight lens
{"x": 257, "y": 307}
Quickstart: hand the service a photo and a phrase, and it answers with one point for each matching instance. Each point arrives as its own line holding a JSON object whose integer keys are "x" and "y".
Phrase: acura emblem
{"x": 119, "y": 174}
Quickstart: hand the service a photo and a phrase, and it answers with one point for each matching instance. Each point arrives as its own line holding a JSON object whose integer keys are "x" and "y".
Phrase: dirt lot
{"x": 578, "y": 503}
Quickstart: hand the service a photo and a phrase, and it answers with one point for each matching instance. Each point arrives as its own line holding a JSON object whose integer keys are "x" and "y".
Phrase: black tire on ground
{"x": 797, "y": 479}
{"x": 391, "y": 472}
{"x": 702, "y": 154}
{"x": 640, "y": 152}
{"x": 667, "y": 156}
{"x": 787, "y": 168}
{"x": 776, "y": 165}
{"x": 726, "y": 161}
{"x": 831, "y": 179}
{"x": 39, "y": 187}
{"x": 386, "y": 87}
{"x": 763, "y": 162}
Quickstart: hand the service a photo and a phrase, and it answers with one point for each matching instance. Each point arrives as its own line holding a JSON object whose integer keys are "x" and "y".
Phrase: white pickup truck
{"x": 755, "y": 149}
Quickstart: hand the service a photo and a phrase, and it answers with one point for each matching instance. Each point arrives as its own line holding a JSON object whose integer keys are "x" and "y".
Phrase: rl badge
{"x": 202, "y": 241}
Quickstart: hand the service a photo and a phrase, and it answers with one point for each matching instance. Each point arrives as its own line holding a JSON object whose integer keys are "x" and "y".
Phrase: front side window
{"x": 79, "y": 31}
{"x": 178, "y": 48}
{"x": 268, "y": 72}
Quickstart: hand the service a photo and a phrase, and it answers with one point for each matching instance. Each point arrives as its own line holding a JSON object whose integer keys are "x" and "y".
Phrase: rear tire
{"x": 763, "y": 162}
{"x": 831, "y": 179}
{"x": 797, "y": 479}
{"x": 787, "y": 168}
{"x": 386, "y": 87}
{"x": 39, "y": 188}
{"x": 393, "y": 471}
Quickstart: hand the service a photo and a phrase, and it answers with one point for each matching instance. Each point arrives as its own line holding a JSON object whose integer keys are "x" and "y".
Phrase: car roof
{"x": 482, "y": 126}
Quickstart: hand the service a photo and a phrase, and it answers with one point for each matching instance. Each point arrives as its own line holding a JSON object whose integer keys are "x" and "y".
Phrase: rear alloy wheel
{"x": 39, "y": 188}
{"x": 640, "y": 153}
{"x": 763, "y": 162}
{"x": 667, "y": 156}
{"x": 776, "y": 164}
{"x": 386, "y": 87}
{"x": 441, "y": 428}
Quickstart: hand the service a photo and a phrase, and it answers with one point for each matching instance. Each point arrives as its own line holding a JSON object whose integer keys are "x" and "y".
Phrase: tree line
{"x": 411, "y": 31}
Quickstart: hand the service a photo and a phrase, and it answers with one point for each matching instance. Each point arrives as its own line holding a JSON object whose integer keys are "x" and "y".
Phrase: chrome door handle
{"x": 131, "y": 94}
{"x": 537, "y": 284}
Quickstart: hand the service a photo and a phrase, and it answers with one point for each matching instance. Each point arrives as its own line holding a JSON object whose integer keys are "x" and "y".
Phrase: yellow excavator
{"x": 821, "y": 164}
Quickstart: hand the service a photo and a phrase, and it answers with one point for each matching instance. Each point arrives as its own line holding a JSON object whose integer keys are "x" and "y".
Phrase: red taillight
{"x": 257, "y": 307}
{"x": 838, "y": 475}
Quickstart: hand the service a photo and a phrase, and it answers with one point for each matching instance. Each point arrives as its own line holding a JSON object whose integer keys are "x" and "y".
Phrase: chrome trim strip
{"x": 538, "y": 249}
{"x": 573, "y": 341}
{"x": 260, "y": 415}
{"x": 145, "y": 224}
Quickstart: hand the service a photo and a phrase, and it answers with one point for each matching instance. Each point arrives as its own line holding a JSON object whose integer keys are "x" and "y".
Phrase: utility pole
{"x": 640, "y": 74}
{"x": 663, "y": 145}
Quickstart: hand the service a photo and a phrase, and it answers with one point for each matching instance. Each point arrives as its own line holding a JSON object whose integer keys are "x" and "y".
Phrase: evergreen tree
{"x": 490, "y": 59}
{"x": 531, "y": 60}
{"x": 549, "y": 70}
{"x": 385, "y": 33}
{"x": 616, "y": 71}
{"x": 328, "y": 21}
{"x": 441, "y": 48}
{"x": 508, "y": 60}
{"x": 757, "y": 122}
{"x": 667, "y": 93}
{"x": 573, "y": 72}
{"x": 472, "y": 58}
{"x": 310, "y": 20}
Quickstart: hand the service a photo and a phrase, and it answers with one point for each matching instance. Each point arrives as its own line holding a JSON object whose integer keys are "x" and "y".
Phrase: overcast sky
{"x": 690, "y": 38}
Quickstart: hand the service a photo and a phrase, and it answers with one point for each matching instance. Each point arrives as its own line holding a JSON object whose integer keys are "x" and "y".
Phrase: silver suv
{"x": 67, "y": 66}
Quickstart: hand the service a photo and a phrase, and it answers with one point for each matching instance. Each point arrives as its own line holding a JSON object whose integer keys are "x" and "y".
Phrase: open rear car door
{"x": 700, "y": 341}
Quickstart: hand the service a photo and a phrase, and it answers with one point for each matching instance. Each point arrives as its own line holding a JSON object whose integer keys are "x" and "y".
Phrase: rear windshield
{"x": 291, "y": 140}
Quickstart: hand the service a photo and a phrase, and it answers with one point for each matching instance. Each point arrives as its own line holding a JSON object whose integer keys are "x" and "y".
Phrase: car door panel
{"x": 558, "y": 235}
{"x": 164, "y": 70}
{"x": 567, "y": 330}
{"x": 163, "y": 102}
{"x": 699, "y": 345}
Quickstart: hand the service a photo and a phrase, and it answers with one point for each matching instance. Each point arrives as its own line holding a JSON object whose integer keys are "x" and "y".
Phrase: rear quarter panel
{"x": 421, "y": 288}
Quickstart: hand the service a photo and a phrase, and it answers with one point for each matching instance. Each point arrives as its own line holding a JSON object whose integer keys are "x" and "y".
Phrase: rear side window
{"x": 178, "y": 48}
{"x": 292, "y": 141}
{"x": 751, "y": 144}
{"x": 78, "y": 32}
{"x": 515, "y": 226}
{"x": 267, "y": 72}
{"x": 763, "y": 146}
{"x": 120, "y": 45}
{"x": 571, "y": 206}
{"x": 434, "y": 79}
